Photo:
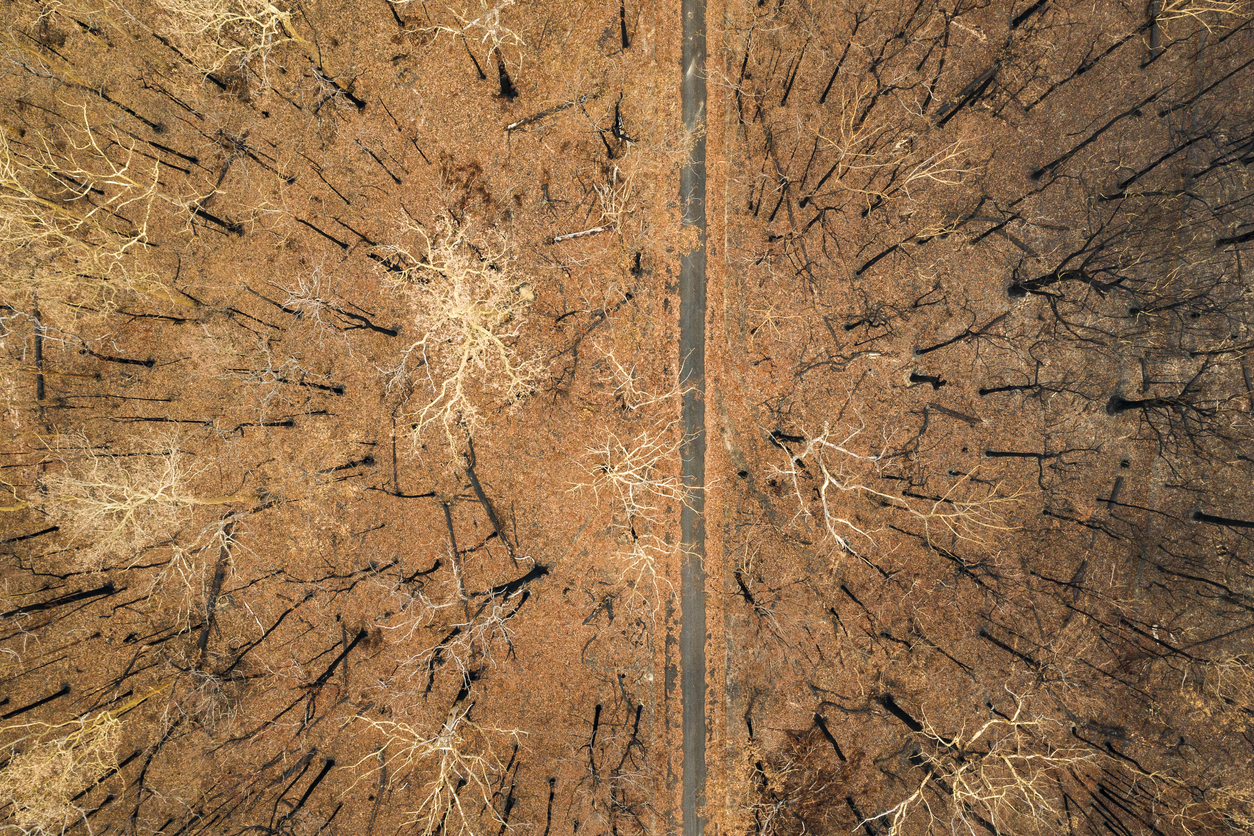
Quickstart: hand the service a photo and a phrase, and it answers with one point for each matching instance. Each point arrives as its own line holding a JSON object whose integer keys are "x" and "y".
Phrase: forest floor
{"x": 345, "y": 418}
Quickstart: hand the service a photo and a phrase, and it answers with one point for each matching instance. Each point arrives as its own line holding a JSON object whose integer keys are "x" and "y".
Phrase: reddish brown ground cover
{"x": 340, "y": 486}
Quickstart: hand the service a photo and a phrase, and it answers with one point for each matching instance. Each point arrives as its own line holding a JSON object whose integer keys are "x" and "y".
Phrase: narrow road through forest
{"x": 692, "y": 381}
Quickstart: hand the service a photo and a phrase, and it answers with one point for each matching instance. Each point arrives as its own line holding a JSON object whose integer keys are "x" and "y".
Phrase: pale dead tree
{"x": 231, "y": 33}
{"x": 837, "y": 456}
{"x": 617, "y": 203}
{"x": 452, "y": 766}
{"x": 641, "y": 477}
{"x": 1211, "y": 14}
{"x": 762, "y": 786}
{"x": 415, "y": 609}
{"x": 472, "y": 637}
{"x": 47, "y": 189}
{"x": 275, "y": 378}
{"x": 314, "y": 300}
{"x": 1230, "y": 680}
{"x": 1011, "y": 774}
{"x": 623, "y": 379}
{"x": 75, "y": 212}
{"x": 639, "y": 552}
{"x": 1230, "y": 804}
{"x": 1226, "y": 798}
{"x": 486, "y": 628}
{"x": 847, "y": 138}
{"x": 486, "y": 27}
{"x": 469, "y": 304}
{"x": 12, "y": 501}
{"x": 621, "y": 197}
{"x": 638, "y": 473}
{"x": 114, "y": 507}
{"x": 208, "y": 701}
{"x": 862, "y": 159}
{"x": 947, "y": 166}
{"x": 617, "y": 199}
{"x": 51, "y": 765}
{"x": 242, "y": 34}
{"x": 908, "y": 168}
{"x": 968, "y": 510}
{"x": 1007, "y": 772}
{"x": 183, "y": 583}
{"x": 199, "y": 694}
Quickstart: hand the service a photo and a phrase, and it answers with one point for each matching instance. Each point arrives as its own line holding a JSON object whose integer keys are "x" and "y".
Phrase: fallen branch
{"x": 544, "y": 114}
{"x": 570, "y": 236}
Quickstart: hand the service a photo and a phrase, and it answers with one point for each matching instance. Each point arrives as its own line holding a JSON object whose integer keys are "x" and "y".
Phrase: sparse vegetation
{"x": 346, "y": 418}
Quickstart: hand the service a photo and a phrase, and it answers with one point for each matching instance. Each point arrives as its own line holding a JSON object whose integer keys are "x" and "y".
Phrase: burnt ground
{"x": 364, "y": 628}
{"x": 983, "y": 375}
{"x": 978, "y": 405}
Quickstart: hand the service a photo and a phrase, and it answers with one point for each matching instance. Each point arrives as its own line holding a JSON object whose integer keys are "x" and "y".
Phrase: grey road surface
{"x": 692, "y": 379}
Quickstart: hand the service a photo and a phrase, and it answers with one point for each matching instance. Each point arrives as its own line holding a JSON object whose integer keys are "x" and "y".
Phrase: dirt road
{"x": 692, "y": 379}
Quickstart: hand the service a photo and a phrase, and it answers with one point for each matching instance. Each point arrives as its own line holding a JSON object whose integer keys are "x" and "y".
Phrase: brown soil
{"x": 940, "y": 557}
